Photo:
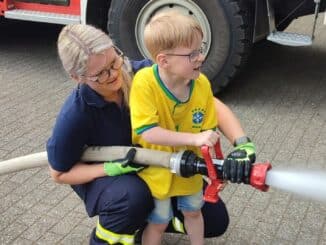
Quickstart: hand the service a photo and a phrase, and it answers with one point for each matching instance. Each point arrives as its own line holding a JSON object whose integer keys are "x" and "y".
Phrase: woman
{"x": 96, "y": 113}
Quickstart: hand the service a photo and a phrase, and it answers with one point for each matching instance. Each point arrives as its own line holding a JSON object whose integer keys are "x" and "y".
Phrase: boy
{"x": 172, "y": 109}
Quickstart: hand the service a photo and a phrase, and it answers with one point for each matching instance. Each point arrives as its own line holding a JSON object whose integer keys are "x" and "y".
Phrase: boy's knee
{"x": 192, "y": 214}
{"x": 159, "y": 228}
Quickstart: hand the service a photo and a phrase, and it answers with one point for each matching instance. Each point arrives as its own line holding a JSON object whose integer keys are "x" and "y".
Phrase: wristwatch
{"x": 241, "y": 140}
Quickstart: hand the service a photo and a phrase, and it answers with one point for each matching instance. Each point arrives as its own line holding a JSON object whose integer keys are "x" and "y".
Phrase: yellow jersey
{"x": 151, "y": 105}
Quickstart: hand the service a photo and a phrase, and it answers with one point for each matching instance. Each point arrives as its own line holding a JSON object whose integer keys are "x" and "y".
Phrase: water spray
{"x": 303, "y": 182}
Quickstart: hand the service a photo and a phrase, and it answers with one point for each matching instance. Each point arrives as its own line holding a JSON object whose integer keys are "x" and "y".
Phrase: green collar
{"x": 166, "y": 90}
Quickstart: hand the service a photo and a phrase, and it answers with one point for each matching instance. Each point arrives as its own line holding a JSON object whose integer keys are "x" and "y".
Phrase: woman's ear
{"x": 75, "y": 78}
{"x": 162, "y": 61}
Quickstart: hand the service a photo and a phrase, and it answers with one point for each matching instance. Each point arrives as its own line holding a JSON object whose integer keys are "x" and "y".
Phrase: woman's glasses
{"x": 106, "y": 73}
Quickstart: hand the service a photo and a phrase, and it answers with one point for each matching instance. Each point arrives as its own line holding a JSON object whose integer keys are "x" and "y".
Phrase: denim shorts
{"x": 163, "y": 213}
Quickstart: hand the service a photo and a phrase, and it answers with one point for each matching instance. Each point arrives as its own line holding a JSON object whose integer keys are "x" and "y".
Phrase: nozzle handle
{"x": 218, "y": 150}
{"x": 211, "y": 191}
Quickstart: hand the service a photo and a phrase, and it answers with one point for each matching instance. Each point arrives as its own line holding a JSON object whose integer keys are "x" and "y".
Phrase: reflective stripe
{"x": 178, "y": 225}
{"x": 113, "y": 238}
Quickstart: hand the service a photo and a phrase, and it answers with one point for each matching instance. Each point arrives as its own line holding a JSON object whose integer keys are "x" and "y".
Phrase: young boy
{"x": 172, "y": 109}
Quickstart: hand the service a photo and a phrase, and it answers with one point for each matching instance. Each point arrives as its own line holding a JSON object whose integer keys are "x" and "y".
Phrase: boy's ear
{"x": 161, "y": 60}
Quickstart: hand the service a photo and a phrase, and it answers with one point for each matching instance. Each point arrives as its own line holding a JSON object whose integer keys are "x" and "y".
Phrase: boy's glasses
{"x": 193, "y": 56}
{"x": 106, "y": 73}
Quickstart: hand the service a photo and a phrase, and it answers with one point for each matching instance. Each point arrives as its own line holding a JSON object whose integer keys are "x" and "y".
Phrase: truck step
{"x": 38, "y": 16}
{"x": 290, "y": 39}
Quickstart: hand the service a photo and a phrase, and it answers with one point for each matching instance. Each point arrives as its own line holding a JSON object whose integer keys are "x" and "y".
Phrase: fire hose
{"x": 184, "y": 163}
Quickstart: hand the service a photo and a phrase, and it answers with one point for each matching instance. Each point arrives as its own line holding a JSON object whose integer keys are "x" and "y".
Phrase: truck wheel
{"x": 226, "y": 25}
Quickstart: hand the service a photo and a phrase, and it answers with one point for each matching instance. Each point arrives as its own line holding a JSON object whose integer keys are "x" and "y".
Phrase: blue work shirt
{"x": 86, "y": 119}
{"x": 138, "y": 64}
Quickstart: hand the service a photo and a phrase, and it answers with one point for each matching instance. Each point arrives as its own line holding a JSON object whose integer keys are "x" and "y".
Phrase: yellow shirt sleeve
{"x": 143, "y": 111}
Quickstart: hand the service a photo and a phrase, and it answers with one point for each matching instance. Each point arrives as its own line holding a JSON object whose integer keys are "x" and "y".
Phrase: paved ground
{"x": 280, "y": 99}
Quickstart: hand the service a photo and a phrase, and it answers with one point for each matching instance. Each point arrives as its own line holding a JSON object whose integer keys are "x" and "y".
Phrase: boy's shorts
{"x": 162, "y": 213}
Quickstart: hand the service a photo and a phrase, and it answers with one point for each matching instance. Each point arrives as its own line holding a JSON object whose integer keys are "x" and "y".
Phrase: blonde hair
{"x": 76, "y": 42}
{"x": 169, "y": 30}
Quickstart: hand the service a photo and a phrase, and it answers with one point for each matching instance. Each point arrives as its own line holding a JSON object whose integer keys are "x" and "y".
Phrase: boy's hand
{"x": 124, "y": 165}
{"x": 208, "y": 138}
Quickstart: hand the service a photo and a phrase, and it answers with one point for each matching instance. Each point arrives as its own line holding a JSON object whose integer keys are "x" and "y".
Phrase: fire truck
{"x": 231, "y": 27}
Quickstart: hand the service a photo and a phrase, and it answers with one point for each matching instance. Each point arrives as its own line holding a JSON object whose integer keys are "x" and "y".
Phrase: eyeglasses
{"x": 193, "y": 56}
{"x": 103, "y": 75}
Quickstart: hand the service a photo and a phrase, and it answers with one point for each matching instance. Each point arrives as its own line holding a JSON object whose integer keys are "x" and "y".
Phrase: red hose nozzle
{"x": 258, "y": 175}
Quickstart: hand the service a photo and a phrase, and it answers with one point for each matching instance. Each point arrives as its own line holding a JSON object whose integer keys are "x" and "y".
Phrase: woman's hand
{"x": 124, "y": 165}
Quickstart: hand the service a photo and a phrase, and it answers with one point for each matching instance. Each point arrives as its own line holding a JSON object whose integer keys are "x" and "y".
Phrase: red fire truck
{"x": 230, "y": 27}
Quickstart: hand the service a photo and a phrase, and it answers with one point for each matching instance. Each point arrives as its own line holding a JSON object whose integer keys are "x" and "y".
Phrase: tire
{"x": 227, "y": 26}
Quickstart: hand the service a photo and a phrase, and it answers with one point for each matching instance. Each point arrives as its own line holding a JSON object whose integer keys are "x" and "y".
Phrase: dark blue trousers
{"x": 122, "y": 204}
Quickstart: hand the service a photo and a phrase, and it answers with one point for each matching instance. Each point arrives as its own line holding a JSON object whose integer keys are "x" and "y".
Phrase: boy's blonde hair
{"x": 76, "y": 42}
{"x": 169, "y": 30}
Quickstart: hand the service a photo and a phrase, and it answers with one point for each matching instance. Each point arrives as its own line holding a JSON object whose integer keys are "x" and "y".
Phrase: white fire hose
{"x": 97, "y": 154}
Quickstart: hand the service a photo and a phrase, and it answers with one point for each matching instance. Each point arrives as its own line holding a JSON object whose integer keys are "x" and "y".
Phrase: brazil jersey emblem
{"x": 197, "y": 115}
